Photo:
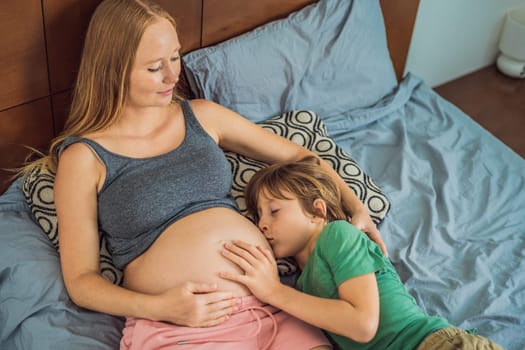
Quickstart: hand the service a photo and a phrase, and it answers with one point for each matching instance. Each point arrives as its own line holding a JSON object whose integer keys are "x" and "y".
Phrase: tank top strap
{"x": 112, "y": 162}
{"x": 189, "y": 115}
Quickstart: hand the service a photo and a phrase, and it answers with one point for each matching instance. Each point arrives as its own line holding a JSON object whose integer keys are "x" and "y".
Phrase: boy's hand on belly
{"x": 194, "y": 305}
{"x": 260, "y": 269}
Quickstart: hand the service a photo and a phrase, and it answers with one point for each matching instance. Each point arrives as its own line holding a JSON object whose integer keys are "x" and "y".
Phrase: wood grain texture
{"x": 399, "y": 17}
{"x": 23, "y": 66}
{"x": 187, "y": 14}
{"x": 66, "y": 22}
{"x": 30, "y": 124}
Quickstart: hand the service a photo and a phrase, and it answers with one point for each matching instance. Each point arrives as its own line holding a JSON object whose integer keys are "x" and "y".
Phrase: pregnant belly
{"x": 189, "y": 250}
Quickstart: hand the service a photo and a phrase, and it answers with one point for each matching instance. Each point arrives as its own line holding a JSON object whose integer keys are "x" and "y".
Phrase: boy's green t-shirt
{"x": 343, "y": 252}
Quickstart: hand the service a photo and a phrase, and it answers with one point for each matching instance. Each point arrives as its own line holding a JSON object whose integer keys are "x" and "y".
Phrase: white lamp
{"x": 511, "y": 60}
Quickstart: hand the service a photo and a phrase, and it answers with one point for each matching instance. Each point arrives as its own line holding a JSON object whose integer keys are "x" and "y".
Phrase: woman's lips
{"x": 167, "y": 92}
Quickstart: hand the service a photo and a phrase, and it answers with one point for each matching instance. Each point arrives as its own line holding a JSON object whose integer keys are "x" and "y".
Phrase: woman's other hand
{"x": 363, "y": 222}
{"x": 194, "y": 305}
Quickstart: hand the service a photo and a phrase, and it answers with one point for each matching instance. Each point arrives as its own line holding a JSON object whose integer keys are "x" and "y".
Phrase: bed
{"x": 449, "y": 198}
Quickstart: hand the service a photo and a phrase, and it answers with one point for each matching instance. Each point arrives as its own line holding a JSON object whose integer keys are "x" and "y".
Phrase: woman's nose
{"x": 171, "y": 76}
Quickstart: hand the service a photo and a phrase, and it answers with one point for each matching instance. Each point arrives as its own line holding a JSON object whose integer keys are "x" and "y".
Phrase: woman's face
{"x": 156, "y": 67}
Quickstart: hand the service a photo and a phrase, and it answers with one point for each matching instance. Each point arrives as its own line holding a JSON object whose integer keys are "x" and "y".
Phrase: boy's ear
{"x": 319, "y": 206}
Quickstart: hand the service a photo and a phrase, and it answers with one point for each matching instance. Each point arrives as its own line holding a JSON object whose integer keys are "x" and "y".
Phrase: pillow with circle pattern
{"x": 302, "y": 127}
{"x": 307, "y": 129}
{"x": 38, "y": 192}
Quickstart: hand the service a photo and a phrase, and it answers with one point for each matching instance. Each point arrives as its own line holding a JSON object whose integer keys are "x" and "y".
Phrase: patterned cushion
{"x": 307, "y": 129}
{"x": 302, "y": 127}
{"x": 38, "y": 191}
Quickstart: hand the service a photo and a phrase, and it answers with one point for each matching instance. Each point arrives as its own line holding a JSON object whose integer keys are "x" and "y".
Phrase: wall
{"x": 455, "y": 37}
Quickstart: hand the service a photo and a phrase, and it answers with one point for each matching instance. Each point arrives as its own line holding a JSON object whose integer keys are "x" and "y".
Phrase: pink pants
{"x": 254, "y": 326}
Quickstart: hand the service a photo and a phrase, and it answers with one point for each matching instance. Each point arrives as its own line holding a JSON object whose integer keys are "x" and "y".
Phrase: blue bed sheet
{"x": 456, "y": 229}
{"x": 35, "y": 310}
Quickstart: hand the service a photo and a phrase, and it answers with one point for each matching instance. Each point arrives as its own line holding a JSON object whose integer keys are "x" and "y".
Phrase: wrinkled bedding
{"x": 35, "y": 310}
{"x": 455, "y": 230}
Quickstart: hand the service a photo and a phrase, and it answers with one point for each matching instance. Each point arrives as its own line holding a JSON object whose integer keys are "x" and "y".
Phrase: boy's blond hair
{"x": 304, "y": 179}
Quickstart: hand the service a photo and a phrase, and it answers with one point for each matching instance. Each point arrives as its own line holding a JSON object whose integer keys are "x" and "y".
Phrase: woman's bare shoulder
{"x": 214, "y": 114}
{"x": 79, "y": 161}
{"x": 203, "y": 107}
{"x": 78, "y": 152}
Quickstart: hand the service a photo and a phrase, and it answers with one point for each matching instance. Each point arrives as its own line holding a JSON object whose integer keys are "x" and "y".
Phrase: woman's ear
{"x": 319, "y": 206}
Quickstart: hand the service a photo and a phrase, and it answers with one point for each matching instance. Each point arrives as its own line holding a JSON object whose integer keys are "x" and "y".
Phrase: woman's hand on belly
{"x": 193, "y": 305}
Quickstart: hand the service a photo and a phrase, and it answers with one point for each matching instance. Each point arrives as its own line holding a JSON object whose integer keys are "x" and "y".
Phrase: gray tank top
{"x": 141, "y": 197}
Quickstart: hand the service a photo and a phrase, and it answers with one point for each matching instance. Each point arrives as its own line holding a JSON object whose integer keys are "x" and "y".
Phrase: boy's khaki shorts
{"x": 456, "y": 338}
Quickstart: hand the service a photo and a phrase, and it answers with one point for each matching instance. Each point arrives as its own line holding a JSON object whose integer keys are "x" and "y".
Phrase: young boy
{"x": 349, "y": 288}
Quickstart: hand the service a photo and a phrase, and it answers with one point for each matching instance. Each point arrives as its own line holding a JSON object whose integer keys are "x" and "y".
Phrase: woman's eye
{"x": 153, "y": 70}
{"x": 174, "y": 59}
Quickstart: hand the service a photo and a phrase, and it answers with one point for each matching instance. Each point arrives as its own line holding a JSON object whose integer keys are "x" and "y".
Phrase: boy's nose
{"x": 263, "y": 226}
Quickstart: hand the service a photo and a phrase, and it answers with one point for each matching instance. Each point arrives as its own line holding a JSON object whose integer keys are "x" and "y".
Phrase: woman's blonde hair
{"x": 304, "y": 179}
{"x": 102, "y": 85}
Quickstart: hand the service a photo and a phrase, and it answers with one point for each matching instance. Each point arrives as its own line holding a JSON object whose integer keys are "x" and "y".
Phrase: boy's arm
{"x": 355, "y": 315}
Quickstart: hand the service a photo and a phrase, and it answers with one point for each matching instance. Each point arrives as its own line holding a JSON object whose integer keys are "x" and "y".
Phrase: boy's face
{"x": 285, "y": 224}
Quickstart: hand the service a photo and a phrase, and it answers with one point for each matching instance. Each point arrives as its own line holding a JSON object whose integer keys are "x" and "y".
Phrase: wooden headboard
{"x": 41, "y": 41}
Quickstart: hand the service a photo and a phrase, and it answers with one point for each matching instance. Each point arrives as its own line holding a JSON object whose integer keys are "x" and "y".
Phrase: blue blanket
{"x": 456, "y": 229}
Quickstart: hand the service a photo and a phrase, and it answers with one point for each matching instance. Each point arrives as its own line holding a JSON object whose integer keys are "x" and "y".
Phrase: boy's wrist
{"x": 281, "y": 295}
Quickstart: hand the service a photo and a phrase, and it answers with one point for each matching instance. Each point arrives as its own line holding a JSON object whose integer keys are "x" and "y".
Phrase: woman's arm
{"x": 359, "y": 212}
{"x": 79, "y": 176}
{"x": 235, "y": 133}
{"x": 354, "y": 315}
